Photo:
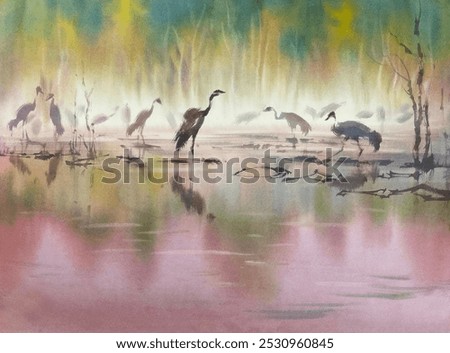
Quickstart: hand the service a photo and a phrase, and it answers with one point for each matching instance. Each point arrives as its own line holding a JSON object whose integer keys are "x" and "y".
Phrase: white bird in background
{"x": 140, "y": 121}
{"x": 171, "y": 120}
{"x": 326, "y": 109}
{"x": 312, "y": 112}
{"x": 125, "y": 114}
{"x": 55, "y": 115}
{"x": 101, "y": 118}
{"x": 381, "y": 113}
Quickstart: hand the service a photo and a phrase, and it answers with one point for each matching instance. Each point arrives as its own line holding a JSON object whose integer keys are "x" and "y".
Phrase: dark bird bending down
{"x": 293, "y": 120}
{"x": 353, "y": 130}
{"x": 193, "y": 121}
{"x": 140, "y": 121}
{"x": 55, "y": 115}
{"x": 24, "y": 112}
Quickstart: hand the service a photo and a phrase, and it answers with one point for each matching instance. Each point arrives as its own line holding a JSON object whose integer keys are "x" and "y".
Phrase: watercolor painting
{"x": 224, "y": 166}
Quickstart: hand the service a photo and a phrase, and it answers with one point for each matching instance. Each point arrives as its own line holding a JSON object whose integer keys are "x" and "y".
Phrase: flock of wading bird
{"x": 193, "y": 120}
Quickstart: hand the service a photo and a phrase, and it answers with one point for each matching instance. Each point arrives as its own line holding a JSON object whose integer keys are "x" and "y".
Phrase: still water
{"x": 78, "y": 254}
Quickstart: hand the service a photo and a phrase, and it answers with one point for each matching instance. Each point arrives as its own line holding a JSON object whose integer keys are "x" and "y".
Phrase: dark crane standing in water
{"x": 293, "y": 120}
{"x": 24, "y": 112}
{"x": 55, "y": 115}
{"x": 353, "y": 130}
{"x": 140, "y": 121}
{"x": 193, "y": 121}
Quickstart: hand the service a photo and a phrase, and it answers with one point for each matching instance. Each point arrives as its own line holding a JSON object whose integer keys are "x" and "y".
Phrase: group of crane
{"x": 26, "y": 113}
{"x": 194, "y": 118}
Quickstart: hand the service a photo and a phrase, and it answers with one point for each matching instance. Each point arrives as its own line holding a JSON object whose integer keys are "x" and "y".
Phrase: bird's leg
{"x": 360, "y": 149}
{"x": 23, "y": 129}
{"x": 342, "y": 147}
{"x": 193, "y": 145}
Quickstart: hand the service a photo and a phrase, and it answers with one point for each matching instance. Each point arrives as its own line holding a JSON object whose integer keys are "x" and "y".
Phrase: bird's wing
{"x": 247, "y": 117}
{"x": 21, "y": 115}
{"x": 191, "y": 114}
{"x": 139, "y": 122}
{"x": 311, "y": 111}
{"x": 131, "y": 128}
{"x": 191, "y": 117}
{"x": 352, "y": 129}
{"x": 100, "y": 118}
{"x": 24, "y": 108}
{"x": 142, "y": 116}
{"x": 294, "y": 120}
{"x": 328, "y": 108}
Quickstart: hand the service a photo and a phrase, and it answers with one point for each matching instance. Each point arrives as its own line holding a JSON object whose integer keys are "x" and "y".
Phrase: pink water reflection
{"x": 317, "y": 277}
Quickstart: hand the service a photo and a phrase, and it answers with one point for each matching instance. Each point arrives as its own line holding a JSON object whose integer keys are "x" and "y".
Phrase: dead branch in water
{"x": 431, "y": 193}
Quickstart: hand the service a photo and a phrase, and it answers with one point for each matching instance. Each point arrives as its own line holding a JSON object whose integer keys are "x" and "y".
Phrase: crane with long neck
{"x": 292, "y": 119}
{"x": 193, "y": 121}
{"x": 353, "y": 130}
{"x": 55, "y": 115}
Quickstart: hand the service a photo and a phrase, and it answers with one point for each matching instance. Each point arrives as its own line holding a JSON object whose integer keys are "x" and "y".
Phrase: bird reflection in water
{"x": 53, "y": 165}
{"x": 192, "y": 200}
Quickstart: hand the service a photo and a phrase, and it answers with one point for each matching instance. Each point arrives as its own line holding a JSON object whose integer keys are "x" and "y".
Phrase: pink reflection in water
{"x": 317, "y": 277}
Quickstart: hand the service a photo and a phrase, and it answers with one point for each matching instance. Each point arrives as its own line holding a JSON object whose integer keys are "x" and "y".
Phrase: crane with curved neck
{"x": 354, "y": 130}
{"x": 24, "y": 112}
{"x": 193, "y": 121}
{"x": 141, "y": 119}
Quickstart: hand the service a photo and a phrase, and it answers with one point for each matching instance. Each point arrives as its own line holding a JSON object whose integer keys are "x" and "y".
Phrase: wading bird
{"x": 193, "y": 121}
{"x": 101, "y": 118}
{"x": 353, "y": 130}
{"x": 25, "y": 112}
{"x": 55, "y": 115}
{"x": 330, "y": 108}
{"x": 364, "y": 114}
{"x": 141, "y": 118}
{"x": 293, "y": 120}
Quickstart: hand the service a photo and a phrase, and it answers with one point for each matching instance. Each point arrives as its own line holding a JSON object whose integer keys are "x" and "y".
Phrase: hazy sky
{"x": 282, "y": 52}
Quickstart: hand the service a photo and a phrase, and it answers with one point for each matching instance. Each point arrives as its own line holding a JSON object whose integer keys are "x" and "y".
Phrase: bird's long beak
{"x": 50, "y": 96}
{"x": 331, "y": 115}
